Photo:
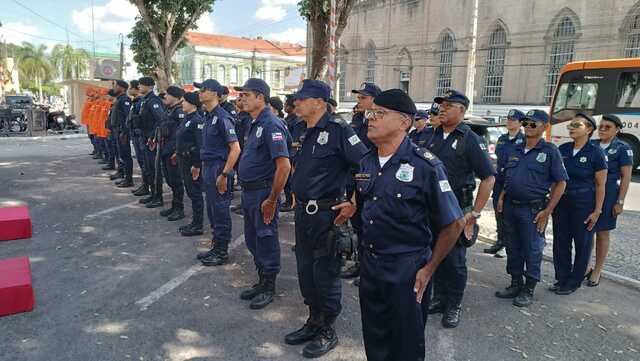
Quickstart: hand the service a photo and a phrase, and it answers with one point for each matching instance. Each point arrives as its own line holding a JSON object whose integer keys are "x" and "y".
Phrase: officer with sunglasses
{"x": 534, "y": 180}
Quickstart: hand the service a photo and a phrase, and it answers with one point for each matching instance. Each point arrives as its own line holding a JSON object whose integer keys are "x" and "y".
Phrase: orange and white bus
{"x": 599, "y": 87}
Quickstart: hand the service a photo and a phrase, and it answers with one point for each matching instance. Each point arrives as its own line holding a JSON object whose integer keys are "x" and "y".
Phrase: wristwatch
{"x": 475, "y": 214}
{"x": 226, "y": 174}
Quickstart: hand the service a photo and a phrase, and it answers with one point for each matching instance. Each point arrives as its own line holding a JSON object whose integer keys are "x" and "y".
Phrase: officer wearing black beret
{"x": 119, "y": 117}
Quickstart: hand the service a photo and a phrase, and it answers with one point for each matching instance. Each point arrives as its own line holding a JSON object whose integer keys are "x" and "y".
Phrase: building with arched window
{"x": 494, "y": 65}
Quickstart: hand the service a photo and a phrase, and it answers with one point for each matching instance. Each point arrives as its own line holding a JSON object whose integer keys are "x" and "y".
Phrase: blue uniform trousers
{"x": 261, "y": 239}
{"x": 124, "y": 149}
{"x": 524, "y": 243}
{"x": 318, "y": 262}
{"x": 193, "y": 188}
{"x": 153, "y": 175}
{"x": 570, "y": 231}
{"x": 112, "y": 148}
{"x": 217, "y": 204}
{"x": 450, "y": 278}
{"x": 102, "y": 146}
{"x": 500, "y": 231}
{"x": 138, "y": 147}
{"x": 171, "y": 174}
{"x": 393, "y": 322}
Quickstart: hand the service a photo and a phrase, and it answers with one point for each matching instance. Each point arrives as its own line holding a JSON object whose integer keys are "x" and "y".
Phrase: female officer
{"x": 580, "y": 206}
{"x": 620, "y": 163}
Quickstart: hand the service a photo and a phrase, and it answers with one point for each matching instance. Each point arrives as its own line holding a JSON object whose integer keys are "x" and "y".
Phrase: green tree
{"x": 69, "y": 63}
{"x": 162, "y": 24}
{"x": 318, "y": 14}
{"x": 34, "y": 67}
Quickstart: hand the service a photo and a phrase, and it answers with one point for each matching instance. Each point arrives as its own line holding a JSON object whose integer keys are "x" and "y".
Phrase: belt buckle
{"x": 312, "y": 207}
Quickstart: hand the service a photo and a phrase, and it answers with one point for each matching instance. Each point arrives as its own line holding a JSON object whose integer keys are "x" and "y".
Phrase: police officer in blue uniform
{"x": 533, "y": 180}
{"x": 404, "y": 193}
{"x": 151, "y": 114}
{"x": 119, "y": 116}
{"x": 135, "y": 135}
{"x": 110, "y": 143}
{"x": 620, "y": 166}
{"x": 188, "y": 144}
{"x": 168, "y": 156}
{"x": 324, "y": 164}
{"x": 580, "y": 207}
{"x": 219, "y": 153}
{"x": 226, "y": 104}
{"x": 263, "y": 171}
{"x": 506, "y": 142}
{"x": 419, "y": 135}
{"x": 465, "y": 157}
{"x": 297, "y": 128}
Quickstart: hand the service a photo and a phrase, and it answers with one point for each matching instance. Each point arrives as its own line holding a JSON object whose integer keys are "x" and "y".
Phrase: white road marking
{"x": 154, "y": 296}
{"x": 109, "y": 210}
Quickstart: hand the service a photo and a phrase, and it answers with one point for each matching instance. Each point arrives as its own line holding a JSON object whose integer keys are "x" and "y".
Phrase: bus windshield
{"x": 628, "y": 95}
{"x": 576, "y": 96}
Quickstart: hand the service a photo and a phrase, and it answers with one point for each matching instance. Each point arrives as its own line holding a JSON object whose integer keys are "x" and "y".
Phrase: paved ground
{"x": 97, "y": 264}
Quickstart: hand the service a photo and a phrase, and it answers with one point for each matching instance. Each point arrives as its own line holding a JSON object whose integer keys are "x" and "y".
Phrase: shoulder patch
{"x": 427, "y": 155}
{"x": 339, "y": 121}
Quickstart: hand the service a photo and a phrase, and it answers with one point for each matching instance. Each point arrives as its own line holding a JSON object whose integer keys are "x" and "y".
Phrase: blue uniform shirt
{"x": 218, "y": 131}
{"x": 420, "y": 138}
{"x": 619, "y": 154}
{"x": 463, "y": 154}
{"x": 297, "y": 128}
{"x": 504, "y": 146}
{"x": 330, "y": 152}
{"x": 528, "y": 177}
{"x": 359, "y": 125}
{"x": 168, "y": 126}
{"x": 404, "y": 199}
{"x": 265, "y": 141}
{"x": 151, "y": 114}
{"x": 582, "y": 167}
{"x": 189, "y": 137}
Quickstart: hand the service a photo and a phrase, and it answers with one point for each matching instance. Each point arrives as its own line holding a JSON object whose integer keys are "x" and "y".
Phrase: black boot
{"x": 126, "y": 183}
{"x": 146, "y": 200}
{"x": 325, "y": 341}
{"x": 451, "y": 316}
{"x": 116, "y": 175}
{"x": 96, "y": 156}
{"x": 192, "y": 230}
{"x": 217, "y": 257}
{"x": 109, "y": 167}
{"x": 139, "y": 189}
{"x": 186, "y": 226}
{"x": 525, "y": 298}
{"x": 513, "y": 290}
{"x": 142, "y": 191}
{"x": 265, "y": 297}
{"x": 436, "y": 306}
{"x": 255, "y": 290}
{"x": 176, "y": 215}
{"x": 155, "y": 203}
{"x": 166, "y": 212}
{"x": 308, "y": 332}
{"x": 494, "y": 248}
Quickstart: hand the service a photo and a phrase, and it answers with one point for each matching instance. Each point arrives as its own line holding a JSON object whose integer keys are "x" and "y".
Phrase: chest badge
{"x": 454, "y": 145}
{"x": 405, "y": 173}
{"x": 323, "y": 138}
{"x": 186, "y": 125}
{"x": 259, "y": 132}
{"x": 518, "y": 141}
{"x": 613, "y": 151}
{"x": 214, "y": 120}
{"x": 583, "y": 159}
{"x": 542, "y": 157}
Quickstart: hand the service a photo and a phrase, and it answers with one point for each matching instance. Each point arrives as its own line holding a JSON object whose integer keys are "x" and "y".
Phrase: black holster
{"x": 328, "y": 246}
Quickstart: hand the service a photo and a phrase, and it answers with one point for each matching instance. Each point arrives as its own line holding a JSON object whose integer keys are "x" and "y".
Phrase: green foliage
{"x": 144, "y": 53}
{"x": 69, "y": 63}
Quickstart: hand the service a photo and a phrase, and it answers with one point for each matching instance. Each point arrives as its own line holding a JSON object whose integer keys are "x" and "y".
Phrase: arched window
{"x": 405, "y": 65}
{"x": 494, "y": 69}
{"x": 342, "y": 74}
{"x": 370, "y": 74}
{"x": 632, "y": 44}
{"x": 234, "y": 75}
{"x": 562, "y": 51}
{"x": 445, "y": 66}
{"x": 246, "y": 74}
{"x": 222, "y": 74}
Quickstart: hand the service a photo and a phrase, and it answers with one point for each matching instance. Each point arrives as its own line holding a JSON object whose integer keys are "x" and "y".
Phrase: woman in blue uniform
{"x": 580, "y": 207}
{"x": 620, "y": 164}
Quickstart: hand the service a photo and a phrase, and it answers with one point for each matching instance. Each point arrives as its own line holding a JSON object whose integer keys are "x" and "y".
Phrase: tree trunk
{"x": 39, "y": 87}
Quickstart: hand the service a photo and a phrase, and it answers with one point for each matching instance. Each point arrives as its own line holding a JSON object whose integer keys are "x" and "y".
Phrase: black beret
{"x": 276, "y": 103}
{"x": 587, "y": 118}
{"x": 175, "y": 91}
{"x": 613, "y": 119}
{"x": 161, "y": 95}
{"x": 193, "y": 98}
{"x": 396, "y": 99}
{"x": 147, "y": 80}
{"x": 134, "y": 84}
{"x": 332, "y": 102}
{"x": 123, "y": 84}
{"x": 225, "y": 90}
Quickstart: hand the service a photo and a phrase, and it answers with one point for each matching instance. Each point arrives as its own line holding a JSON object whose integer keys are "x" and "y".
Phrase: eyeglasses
{"x": 574, "y": 125}
{"x": 379, "y": 114}
{"x": 529, "y": 124}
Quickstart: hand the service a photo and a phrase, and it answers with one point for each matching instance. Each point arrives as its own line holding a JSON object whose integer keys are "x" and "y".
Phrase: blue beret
{"x": 453, "y": 96}
{"x": 313, "y": 89}
{"x": 396, "y": 99}
{"x": 537, "y": 115}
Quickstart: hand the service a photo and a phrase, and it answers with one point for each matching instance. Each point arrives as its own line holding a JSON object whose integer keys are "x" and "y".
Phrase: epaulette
{"x": 427, "y": 155}
{"x": 338, "y": 120}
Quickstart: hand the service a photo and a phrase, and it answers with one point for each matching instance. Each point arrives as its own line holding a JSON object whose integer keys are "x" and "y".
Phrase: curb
{"x": 611, "y": 276}
{"x": 46, "y": 137}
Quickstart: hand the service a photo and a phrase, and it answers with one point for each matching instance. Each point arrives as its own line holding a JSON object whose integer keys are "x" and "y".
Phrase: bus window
{"x": 576, "y": 96}
{"x": 628, "y": 90}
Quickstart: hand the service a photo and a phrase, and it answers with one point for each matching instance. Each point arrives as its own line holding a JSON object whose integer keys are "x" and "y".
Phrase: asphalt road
{"x": 114, "y": 281}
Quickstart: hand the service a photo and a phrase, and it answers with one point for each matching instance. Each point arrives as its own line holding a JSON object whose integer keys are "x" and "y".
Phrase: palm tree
{"x": 34, "y": 65}
{"x": 69, "y": 63}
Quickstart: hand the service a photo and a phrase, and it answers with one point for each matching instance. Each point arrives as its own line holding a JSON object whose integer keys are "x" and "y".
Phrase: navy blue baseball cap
{"x": 256, "y": 85}
{"x": 588, "y": 118}
{"x": 516, "y": 115}
{"x": 422, "y": 114}
{"x": 313, "y": 89}
{"x": 369, "y": 89}
{"x": 435, "y": 109}
{"x": 453, "y": 96}
{"x": 537, "y": 115}
{"x": 210, "y": 84}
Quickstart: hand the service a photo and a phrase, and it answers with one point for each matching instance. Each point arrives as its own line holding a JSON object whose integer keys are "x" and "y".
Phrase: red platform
{"x": 15, "y": 223}
{"x": 16, "y": 292}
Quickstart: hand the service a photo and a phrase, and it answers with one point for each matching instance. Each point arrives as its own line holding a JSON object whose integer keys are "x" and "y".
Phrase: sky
{"x": 50, "y": 22}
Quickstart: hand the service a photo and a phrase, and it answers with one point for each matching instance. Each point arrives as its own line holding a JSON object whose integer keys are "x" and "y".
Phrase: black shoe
{"x": 118, "y": 181}
{"x": 254, "y": 290}
{"x": 96, "y": 156}
{"x": 157, "y": 202}
{"x": 513, "y": 290}
{"x": 186, "y": 226}
{"x": 116, "y": 175}
{"x": 166, "y": 212}
{"x": 202, "y": 255}
{"x": 451, "y": 316}
{"x": 235, "y": 207}
{"x": 493, "y": 249}
{"x": 525, "y": 298}
{"x": 216, "y": 258}
{"x": 554, "y": 287}
{"x": 325, "y": 341}
{"x": 109, "y": 167}
{"x": 307, "y": 333}
{"x": 268, "y": 291}
{"x": 351, "y": 272}
{"x": 194, "y": 230}
{"x": 144, "y": 191}
{"x": 436, "y": 306}
{"x": 126, "y": 183}
{"x": 139, "y": 189}
{"x": 146, "y": 200}
{"x": 176, "y": 215}
{"x": 565, "y": 290}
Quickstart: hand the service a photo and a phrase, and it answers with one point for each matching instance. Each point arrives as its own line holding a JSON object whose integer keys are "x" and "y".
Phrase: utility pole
{"x": 471, "y": 61}
{"x": 121, "y": 72}
{"x": 93, "y": 43}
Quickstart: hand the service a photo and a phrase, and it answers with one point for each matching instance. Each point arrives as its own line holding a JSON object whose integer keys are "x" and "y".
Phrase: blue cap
{"x": 313, "y": 89}
{"x": 256, "y": 85}
{"x": 588, "y": 118}
{"x": 435, "y": 109}
{"x": 516, "y": 114}
{"x": 210, "y": 84}
{"x": 369, "y": 89}
{"x": 453, "y": 96}
{"x": 537, "y": 115}
{"x": 422, "y": 114}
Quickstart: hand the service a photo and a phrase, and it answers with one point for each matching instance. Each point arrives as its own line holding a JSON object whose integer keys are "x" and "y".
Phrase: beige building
{"x": 423, "y": 46}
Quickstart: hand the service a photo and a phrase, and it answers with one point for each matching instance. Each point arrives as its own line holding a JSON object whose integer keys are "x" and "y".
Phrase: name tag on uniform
{"x": 181, "y": 115}
{"x": 542, "y": 157}
{"x": 362, "y": 176}
{"x": 323, "y": 138}
{"x": 405, "y": 173}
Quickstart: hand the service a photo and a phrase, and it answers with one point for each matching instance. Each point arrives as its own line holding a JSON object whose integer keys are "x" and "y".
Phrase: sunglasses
{"x": 529, "y": 124}
{"x": 575, "y": 125}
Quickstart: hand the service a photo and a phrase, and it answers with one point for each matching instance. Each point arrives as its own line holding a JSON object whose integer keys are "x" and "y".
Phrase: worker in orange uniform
{"x": 84, "y": 119}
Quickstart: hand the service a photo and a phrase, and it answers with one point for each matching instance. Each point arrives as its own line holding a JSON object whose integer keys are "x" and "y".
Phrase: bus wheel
{"x": 634, "y": 144}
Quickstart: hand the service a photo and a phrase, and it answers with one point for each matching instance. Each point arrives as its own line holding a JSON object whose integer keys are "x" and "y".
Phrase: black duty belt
{"x": 313, "y": 206}
{"x": 533, "y": 204}
{"x": 256, "y": 185}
